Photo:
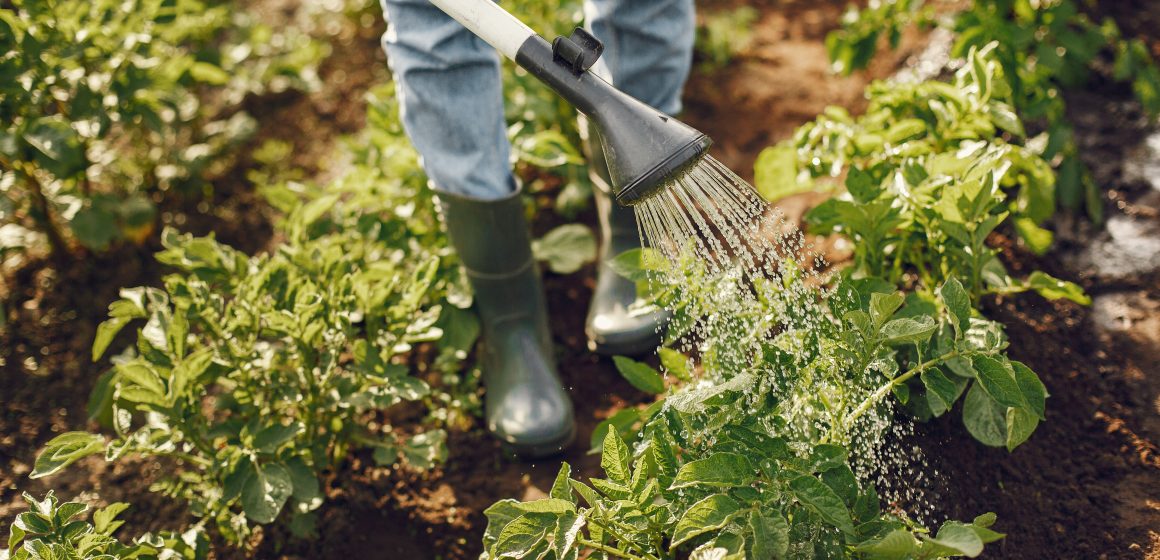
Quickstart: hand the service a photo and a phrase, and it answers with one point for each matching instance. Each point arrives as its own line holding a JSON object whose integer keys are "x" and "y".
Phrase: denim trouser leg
{"x": 648, "y": 46}
{"x": 451, "y": 92}
{"x": 451, "y": 99}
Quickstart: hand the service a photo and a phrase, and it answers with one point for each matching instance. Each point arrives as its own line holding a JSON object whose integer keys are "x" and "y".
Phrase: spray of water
{"x": 747, "y": 281}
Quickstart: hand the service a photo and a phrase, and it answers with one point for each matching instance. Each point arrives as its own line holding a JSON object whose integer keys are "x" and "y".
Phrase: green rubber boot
{"x": 525, "y": 405}
{"x": 612, "y": 327}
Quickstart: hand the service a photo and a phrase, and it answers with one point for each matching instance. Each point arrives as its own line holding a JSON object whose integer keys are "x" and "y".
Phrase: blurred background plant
{"x": 106, "y": 106}
{"x": 1044, "y": 48}
{"x": 723, "y": 35}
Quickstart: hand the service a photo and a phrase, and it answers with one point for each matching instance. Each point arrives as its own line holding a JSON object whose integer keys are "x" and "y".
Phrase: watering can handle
{"x": 489, "y": 22}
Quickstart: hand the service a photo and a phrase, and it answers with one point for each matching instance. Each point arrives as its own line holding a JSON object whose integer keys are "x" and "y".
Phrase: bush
{"x": 257, "y": 373}
{"x": 52, "y": 530}
{"x": 1043, "y": 48}
{"x": 928, "y": 178}
{"x": 107, "y": 104}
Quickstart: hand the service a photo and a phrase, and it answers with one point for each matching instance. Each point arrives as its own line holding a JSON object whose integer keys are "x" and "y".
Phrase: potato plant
{"x": 1043, "y": 47}
{"x": 752, "y": 457}
{"x": 51, "y": 530}
{"x": 762, "y": 451}
{"x": 928, "y": 178}
{"x": 107, "y": 104}
{"x": 257, "y": 374}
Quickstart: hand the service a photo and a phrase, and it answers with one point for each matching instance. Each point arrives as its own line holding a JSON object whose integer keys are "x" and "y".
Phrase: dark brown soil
{"x": 1087, "y": 485}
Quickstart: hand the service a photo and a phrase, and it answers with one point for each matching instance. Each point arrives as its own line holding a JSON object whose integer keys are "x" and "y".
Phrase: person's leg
{"x": 648, "y": 46}
{"x": 648, "y": 49}
{"x": 451, "y": 99}
{"x": 452, "y": 107}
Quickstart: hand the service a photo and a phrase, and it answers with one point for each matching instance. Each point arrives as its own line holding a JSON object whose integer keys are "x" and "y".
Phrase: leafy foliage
{"x": 52, "y": 530}
{"x": 749, "y": 497}
{"x": 750, "y": 460}
{"x": 928, "y": 178}
{"x": 1043, "y": 47}
{"x": 259, "y": 373}
{"x": 101, "y": 108}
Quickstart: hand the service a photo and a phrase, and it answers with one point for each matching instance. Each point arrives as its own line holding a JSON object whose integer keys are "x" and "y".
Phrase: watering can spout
{"x": 644, "y": 148}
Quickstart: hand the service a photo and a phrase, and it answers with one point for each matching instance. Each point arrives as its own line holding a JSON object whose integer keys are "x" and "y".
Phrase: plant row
{"x": 108, "y": 105}
{"x": 1044, "y": 48}
{"x": 768, "y": 443}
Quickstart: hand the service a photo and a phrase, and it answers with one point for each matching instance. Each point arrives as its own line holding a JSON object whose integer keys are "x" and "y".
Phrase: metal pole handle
{"x": 490, "y": 22}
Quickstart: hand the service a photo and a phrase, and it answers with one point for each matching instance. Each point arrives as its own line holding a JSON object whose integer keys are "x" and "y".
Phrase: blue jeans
{"x": 451, "y": 92}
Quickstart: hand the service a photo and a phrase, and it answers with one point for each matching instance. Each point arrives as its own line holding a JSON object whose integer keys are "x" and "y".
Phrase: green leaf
{"x": 861, "y": 186}
{"x": 984, "y": 418}
{"x": 1053, "y": 288}
{"x": 898, "y": 544}
{"x": 953, "y": 539}
{"x": 64, "y": 450}
{"x": 307, "y": 491}
{"x": 1021, "y": 424}
{"x": 709, "y": 514}
{"x": 985, "y": 520}
{"x": 616, "y": 458}
{"x": 498, "y": 516}
{"x": 520, "y": 536}
{"x": 1004, "y": 117}
{"x": 770, "y": 535}
{"x": 815, "y": 494}
{"x": 33, "y": 523}
{"x": 1032, "y": 388}
{"x": 1038, "y": 239}
{"x": 640, "y": 375}
{"x": 675, "y": 363}
{"x": 270, "y": 438}
{"x": 105, "y": 519}
{"x": 638, "y": 265}
{"x": 622, "y": 423}
{"x": 883, "y": 306}
{"x": 775, "y": 173}
{"x": 997, "y": 378}
{"x": 941, "y": 387}
{"x": 566, "y": 248}
{"x": 908, "y": 330}
{"x": 95, "y": 227}
{"x": 57, "y": 146}
{"x": 106, "y": 332}
{"x": 560, "y": 488}
{"x": 590, "y": 496}
{"x": 547, "y": 505}
{"x": 210, "y": 74}
{"x": 568, "y": 528}
{"x": 720, "y": 469}
{"x": 137, "y": 382}
{"x": 266, "y": 491}
{"x": 424, "y": 451}
{"x": 958, "y": 304}
{"x": 67, "y": 511}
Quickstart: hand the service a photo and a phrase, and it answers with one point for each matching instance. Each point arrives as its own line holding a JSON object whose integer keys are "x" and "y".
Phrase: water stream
{"x": 748, "y": 281}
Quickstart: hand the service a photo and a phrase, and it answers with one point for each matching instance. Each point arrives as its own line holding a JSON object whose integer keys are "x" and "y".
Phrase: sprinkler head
{"x": 645, "y": 148}
{"x": 643, "y": 162}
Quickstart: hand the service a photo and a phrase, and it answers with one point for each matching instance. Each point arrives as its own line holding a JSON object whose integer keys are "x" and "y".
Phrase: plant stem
{"x": 56, "y": 241}
{"x": 191, "y": 458}
{"x": 882, "y": 391}
{"x": 606, "y": 549}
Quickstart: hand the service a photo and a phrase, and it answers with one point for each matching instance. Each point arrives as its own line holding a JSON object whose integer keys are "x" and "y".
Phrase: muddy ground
{"x": 1086, "y": 486}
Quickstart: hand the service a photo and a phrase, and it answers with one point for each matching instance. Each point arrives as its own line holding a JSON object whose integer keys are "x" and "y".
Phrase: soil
{"x": 1087, "y": 484}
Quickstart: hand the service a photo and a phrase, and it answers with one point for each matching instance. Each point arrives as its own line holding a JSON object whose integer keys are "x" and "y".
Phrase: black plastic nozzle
{"x": 644, "y": 148}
